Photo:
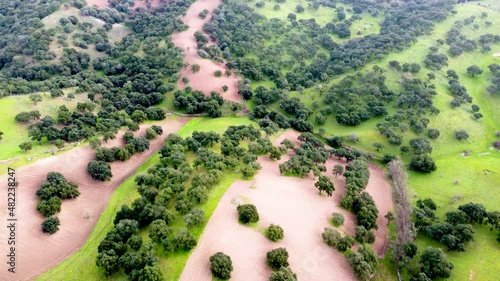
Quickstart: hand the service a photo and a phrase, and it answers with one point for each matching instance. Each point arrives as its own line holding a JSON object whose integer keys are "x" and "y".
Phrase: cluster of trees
{"x": 494, "y": 88}
{"x": 51, "y": 192}
{"x": 356, "y": 199}
{"x": 277, "y": 260}
{"x": 310, "y": 156}
{"x": 332, "y": 238}
{"x": 459, "y": 92}
{"x": 173, "y": 188}
{"x": 196, "y": 102}
{"x": 364, "y": 262}
{"x": 421, "y": 160}
{"x": 302, "y": 38}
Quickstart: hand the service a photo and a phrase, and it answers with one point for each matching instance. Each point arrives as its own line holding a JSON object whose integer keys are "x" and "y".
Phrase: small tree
{"x": 26, "y": 146}
{"x": 35, "y": 98}
{"x": 247, "y": 213}
{"x": 275, "y": 233}
{"x": 151, "y": 134}
{"x": 225, "y": 88}
{"x": 378, "y": 146}
{"x": 474, "y": 70}
{"x": 389, "y": 216}
{"x": 51, "y": 225}
{"x": 422, "y": 163}
{"x": 135, "y": 242}
{"x": 338, "y": 170}
{"x": 337, "y": 219}
{"x": 325, "y": 184}
{"x": 461, "y": 135}
{"x": 99, "y": 170}
{"x": 299, "y": 9}
{"x": 435, "y": 264}
{"x": 277, "y": 258}
{"x": 221, "y": 266}
{"x": 283, "y": 274}
{"x": 195, "y": 68}
{"x": 354, "y": 138}
{"x": 194, "y": 218}
{"x": 218, "y": 73}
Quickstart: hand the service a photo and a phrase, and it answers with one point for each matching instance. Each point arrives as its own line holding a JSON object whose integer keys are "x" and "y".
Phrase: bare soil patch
{"x": 36, "y": 252}
{"x": 203, "y": 80}
{"x": 294, "y": 204}
{"x": 496, "y": 55}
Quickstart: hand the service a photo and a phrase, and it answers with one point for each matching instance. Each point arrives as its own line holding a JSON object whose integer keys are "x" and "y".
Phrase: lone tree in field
{"x": 195, "y": 68}
{"x": 275, "y": 233}
{"x": 247, "y": 213}
{"x": 277, "y": 258}
{"x": 337, "y": 219}
{"x": 283, "y": 274}
{"x": 435, "y": 264}
{"x": 325, "y": 184}
{"x": 26, "y": 146}
{"x": 461, "y": 135}
{"x": 338, "y": 170}
{"x": 474, "y": 70}
{"x": 422, "y": 163}
{"x": 221, "y": 266}
{"x": 99, "y": 170}
{"x": 35, "y": 98}
{"x": 51, "y": 225}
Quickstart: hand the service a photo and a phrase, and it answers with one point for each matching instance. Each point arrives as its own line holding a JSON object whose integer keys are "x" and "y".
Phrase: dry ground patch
{"x": 37, "y": 252}
{"x": 203, "y": 80}
{"x": 294, "y": 204}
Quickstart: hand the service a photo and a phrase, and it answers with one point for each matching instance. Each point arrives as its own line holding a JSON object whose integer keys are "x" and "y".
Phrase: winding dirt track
{"x": 37, "y": 252}
{"x": 295, "y": 205}
{"x": 203, "y": 80}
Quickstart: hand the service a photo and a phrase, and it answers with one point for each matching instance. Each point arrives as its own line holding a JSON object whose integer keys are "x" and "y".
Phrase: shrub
{"x": 422, "y": 163}
{"x": 461, "y": 135}
{"x": 221, "y": 266}
{"x": 99, "y": 170}
{"x": 283, "y": 274}
{"x": 247, "y": 213}
{"x": 277, "y": 258}
{"x": 275, "y": 233}
{"x": 218, "y": 73}
{"x": 135, "y": 242}
{"x": 49, "y": 207}
{"x": 337, "y": 219}
{"x": 51, "y": 225}
{"x": 330, "y": 236}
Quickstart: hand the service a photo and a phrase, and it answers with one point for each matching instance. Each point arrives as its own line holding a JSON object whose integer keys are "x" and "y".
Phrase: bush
{"x": 221, "y": 266}
{"x": 283, "y": 274}
{"x": 277, "y": 258}
{"x": 422, "y": 163}
{"x": 275, "y": 233}
{"x": 218, "y": 73}
{"x": 195, "y": 217}
{"x": 49, "y": 207}
{"x": 99, "y": 170}
{"x": 51, "y": 225}
{"x": 135, "y": 242}
{"x": 247, "y": 213}
{"x": 331, "y": 237}
{"x": 337, "y": 219}
{"x": 434, "y": 263}
{"x": 461, "y": 135}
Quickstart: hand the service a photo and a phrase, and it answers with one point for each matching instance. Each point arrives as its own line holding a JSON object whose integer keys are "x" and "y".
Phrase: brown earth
{"x": 203, "y": 80}
{"x": 294, "y": 204}
{"x": 36, "y": 252}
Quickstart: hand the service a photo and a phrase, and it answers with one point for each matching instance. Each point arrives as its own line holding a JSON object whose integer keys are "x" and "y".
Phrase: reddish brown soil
{"x": 295, "y": 205}
{"x": 203, "y": 80}
{"x": 37, "y": 252}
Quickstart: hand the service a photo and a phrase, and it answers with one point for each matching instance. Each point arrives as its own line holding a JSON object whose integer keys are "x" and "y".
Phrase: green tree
{"x": 99, "y": 170}
{"x": 247, "y": 213}
{"x": 338, "y": 170}
{"x": 26, "y": 146}
{"x": 35, "y": 98}
{"x": 474, "y": 70}
{"x": 135, "y": 242}
{"x": 221, "y": 266}
{"x": 476, "y": 212}
{"x": 195, "y": 68}
{"x": 434, "y": 263}
{"x": 461, "y": 135}
{"x": 422, "y": 163}
{"x": 275, "y": 233}
{"x": 195, "y": 217}
{"x": 283, "y": 274}
{"x": 337, "y": 219}
{"x": 277, "y": 258}
{"x": 51, "y": 225}
{"x": 325, "y": 184}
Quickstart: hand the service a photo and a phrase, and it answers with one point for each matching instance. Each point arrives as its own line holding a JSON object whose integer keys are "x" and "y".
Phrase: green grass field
{"x": 14, "y": 134}
{"x": 81, "y": 265}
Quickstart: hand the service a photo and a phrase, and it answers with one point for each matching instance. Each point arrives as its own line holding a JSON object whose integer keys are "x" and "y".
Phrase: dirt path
{"x": 36, "y": 252}
{"x": 496, "y": 55}
{"x": 295, "y": 205}
{"x": 203, "y": 80}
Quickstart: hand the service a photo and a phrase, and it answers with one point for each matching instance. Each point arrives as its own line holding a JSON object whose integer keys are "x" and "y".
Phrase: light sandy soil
{"x": 203, "y": 80}
{"x": 36, "y": 252}
{"x": 295, "y": 205}
{"x": 496, "y": 55}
